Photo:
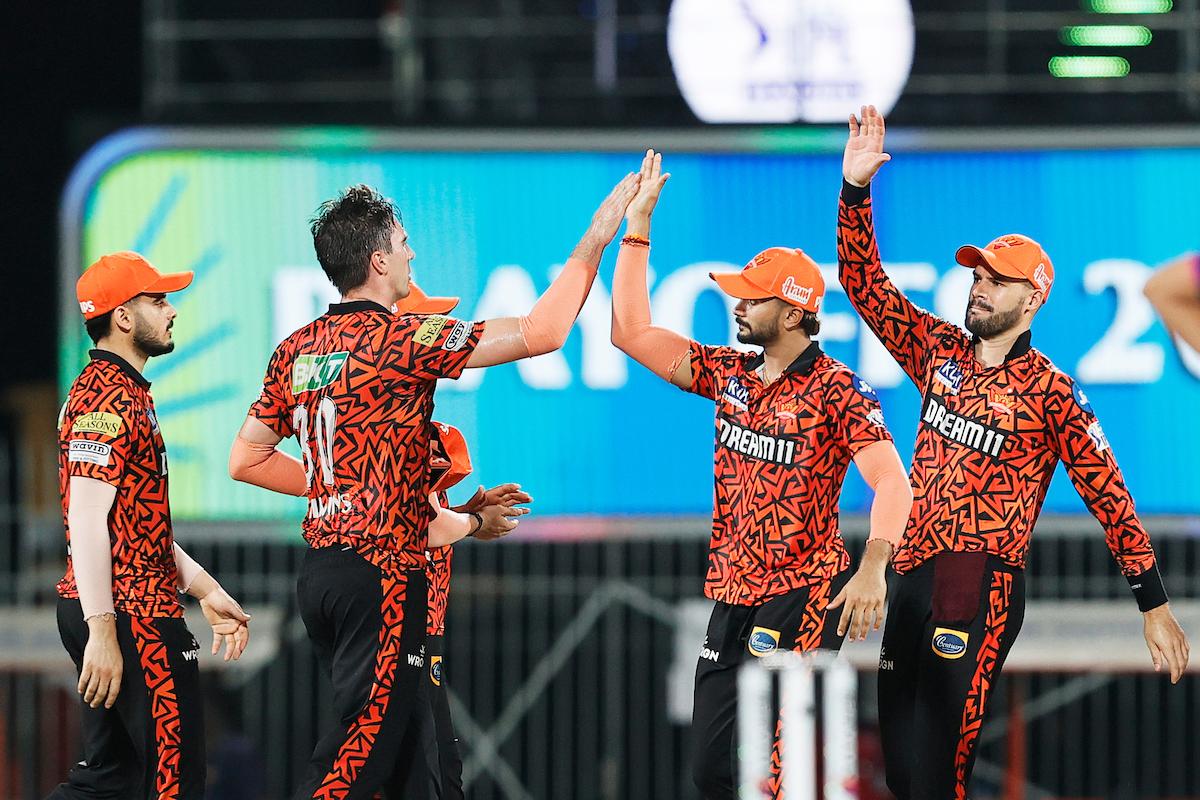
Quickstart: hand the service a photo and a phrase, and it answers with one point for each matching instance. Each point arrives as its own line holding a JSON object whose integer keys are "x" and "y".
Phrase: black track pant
{"x": 437, "y": 772}
{"x": 950, "y": 625}
{"x": 368, "y": 628}
{"x": 793, "y": 621}
{"x": 150, "y": 744}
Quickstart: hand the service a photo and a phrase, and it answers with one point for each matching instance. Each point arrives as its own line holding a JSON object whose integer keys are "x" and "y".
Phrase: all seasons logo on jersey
{"x": 97, "y": 422}
{"x": 762, "y": 446}
{"x": 312, "y": 371}
{"x": 962, "y": 430}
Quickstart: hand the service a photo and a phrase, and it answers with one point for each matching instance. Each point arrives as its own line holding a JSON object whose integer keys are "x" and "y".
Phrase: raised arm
{"x": 545, "y": 328}
{"x": 1080, "y": 443}
{"x": 1174, "y": 291}
{"x": 663, "y": 352}
{"x": 903, "y": 328}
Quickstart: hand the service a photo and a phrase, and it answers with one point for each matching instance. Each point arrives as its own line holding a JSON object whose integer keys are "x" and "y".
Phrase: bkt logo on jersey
{"x": 762, "y": 642}
{"x": 761, "y": 446}
{"x": 312, "y": 371}
{"x": 736, "y": 394}
{"x": 949, "y": 643}
{"x": 962, "y": 430}
{"x": 949, "y": 375}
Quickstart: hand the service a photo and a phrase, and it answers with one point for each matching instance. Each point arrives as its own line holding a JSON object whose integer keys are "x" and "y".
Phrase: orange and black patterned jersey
{"x": 989, "y": 438}
{"x": 355, "y": 387}
{"x": 437, "y": 577}
{"x": 108, "y": 431}
{"x": 781, "y": 453}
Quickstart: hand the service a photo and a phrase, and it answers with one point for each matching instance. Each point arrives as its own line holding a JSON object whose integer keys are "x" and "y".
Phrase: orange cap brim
{"x": 971, "y": 256}
{"x": 734, "y": 285}
{"x": 171, "y": 282}
{"x": 433, "y": 305}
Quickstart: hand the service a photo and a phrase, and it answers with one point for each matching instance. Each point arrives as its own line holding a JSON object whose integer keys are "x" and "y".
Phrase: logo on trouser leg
{"x": 949, "y": 643}
{"x": 762, "y": 642}
{"x": 435, "y": 670}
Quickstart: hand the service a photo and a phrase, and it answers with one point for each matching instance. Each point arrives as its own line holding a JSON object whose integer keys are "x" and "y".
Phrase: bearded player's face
{"x": 758, "y": 320}
{"x": 153, "y": 318}
{"x": 996, "y": 304}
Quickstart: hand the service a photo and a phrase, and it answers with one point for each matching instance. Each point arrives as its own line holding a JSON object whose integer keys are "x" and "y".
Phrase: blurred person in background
{"x": 997, "y": 418}
{"x": 119, "y": 613}
{"x": 1174, "y": 291}
{"x": 789, "y": 420}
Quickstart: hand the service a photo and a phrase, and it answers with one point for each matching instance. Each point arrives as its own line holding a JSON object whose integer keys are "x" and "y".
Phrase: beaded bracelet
{"x": 636, "y": 241}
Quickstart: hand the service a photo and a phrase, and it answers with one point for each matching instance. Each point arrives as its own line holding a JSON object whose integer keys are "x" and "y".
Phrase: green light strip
{"x": 1105, "y": 35}
{"x": 1088, "y": 67}
{"x": 1127, "y": 6}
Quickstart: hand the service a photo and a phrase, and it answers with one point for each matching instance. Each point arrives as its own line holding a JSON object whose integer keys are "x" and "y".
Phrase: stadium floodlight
{"x": 1128, "y": 6}
{"x": 1088, "y": 67}
{"x": 1105, "y": 35}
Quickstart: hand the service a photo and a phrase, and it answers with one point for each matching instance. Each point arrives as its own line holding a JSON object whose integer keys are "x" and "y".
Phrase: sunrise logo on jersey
{"x": 761, "y": 446}
{"x": 949, "y": 375}
{"x": 1002, "y": 403}
{"x": 312, "y": 371}
{"x": 736, "y": 394}
{"x": 963, "y": 430}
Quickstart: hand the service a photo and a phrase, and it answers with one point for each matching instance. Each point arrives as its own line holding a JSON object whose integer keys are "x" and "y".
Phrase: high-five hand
{"x": 864, "y": 149}
{"x": 607, "y": 218}
{"x": 652, "y": 179}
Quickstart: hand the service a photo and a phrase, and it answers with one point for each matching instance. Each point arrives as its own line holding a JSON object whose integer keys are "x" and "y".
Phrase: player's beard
{"x": 145, "y": 340}
{"x": 762, "y": 335}
{"x": 995, "y": 324}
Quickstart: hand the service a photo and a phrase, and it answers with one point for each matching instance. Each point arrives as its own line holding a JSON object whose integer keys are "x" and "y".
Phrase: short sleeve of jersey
{"x": 100, "y": 432}
{"x": 709, "y": 364}
{"x": 854, "y": 407}
{"x": 427, "y": 348}
{"x": 271, "y": 407}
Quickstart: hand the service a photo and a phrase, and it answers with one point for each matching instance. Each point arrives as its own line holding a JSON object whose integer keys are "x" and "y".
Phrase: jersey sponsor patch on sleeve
{"x": 875, "y": 417}
{"x": 90, "y": 452}
{"x": 98, "y": 422}
{"x": 1081, "y": 398}
{"x": 865, "y": 389}
{"x": 429, "y": 329}
{"x": 457, "y": 336}
{"x": 1096, "y": 434}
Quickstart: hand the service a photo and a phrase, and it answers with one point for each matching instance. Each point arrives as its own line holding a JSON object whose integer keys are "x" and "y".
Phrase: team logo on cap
{"x": 762, "y": 642}
{"x": 1041, "y": 278}
{"x": 87, "y": 306}
{"x": 795, "y": 292}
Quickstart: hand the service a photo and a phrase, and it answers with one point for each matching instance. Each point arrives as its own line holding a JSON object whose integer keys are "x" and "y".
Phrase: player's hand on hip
{"x": 864, "y": 149}
{"x": 861, "y": 601}
{"x": 230, "y": 624}
{"x": 1166, "y": 640}
{"x": 498, "y": 521}
{"x": 607, "y": 218}
{"x": 103, "y": 665}
{"x": 651, "y": 181}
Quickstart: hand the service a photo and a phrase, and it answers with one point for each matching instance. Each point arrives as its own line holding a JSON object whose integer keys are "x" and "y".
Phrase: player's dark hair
{"x": 810, "y": 323}
{"x": 348, "y": 229}
{"x": 98, "y": 327}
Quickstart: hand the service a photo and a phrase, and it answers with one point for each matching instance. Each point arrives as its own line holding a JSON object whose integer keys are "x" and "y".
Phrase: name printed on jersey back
{"x": 762, "y": 446}
{"x": 962, "y": 430}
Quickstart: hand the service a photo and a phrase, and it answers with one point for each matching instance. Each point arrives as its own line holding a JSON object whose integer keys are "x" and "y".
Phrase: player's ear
{"x": 122, "y": 318}
{"x": 378, "y": 263}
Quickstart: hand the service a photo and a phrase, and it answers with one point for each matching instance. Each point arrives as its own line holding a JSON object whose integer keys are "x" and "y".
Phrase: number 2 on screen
{"x": 324, "y": 425}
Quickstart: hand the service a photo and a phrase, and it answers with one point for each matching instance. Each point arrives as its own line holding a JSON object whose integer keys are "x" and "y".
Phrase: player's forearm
{"x": 658, "y": 349}
{"x": 883, "y": 471}
{"x": 91, "y": 557}
{"x": 192, "y": 578}
{"x": 266, "y": 466}
{"x": 546, "y": 326}
{"x": 449, "y": 527}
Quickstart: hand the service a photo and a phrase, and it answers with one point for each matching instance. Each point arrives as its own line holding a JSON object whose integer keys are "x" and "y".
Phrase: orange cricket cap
{"x": 786, "y": 273}
{"x": 455, "y": 459}
{"x": 418, "y": 302}
{"x": 1013, "y": 256}
{"x": 117, "y": 278}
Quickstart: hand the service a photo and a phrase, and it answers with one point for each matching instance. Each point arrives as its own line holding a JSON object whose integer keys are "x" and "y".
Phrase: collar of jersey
{"x": 1020, "y": 347}
{"x": 801, "y": 366}
{"x": 122, "y": 364}
{"x": 354, "y": 306}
